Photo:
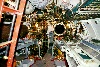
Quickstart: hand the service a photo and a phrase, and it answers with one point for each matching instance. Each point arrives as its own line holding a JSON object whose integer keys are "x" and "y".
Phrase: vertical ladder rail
{"x": 15, "y": 33}
{"x": 19, "y": 13}
{"x": 1, "y": 8}
{"x": 12, "y": 27}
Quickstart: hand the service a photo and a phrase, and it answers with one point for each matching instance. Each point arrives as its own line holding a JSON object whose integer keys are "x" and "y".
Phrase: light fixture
{"x": 5, "y": 57}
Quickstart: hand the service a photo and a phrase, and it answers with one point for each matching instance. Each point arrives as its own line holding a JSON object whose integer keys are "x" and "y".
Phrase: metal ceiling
{"x": 89, "y": 9}
{"x": 85, "y": 9}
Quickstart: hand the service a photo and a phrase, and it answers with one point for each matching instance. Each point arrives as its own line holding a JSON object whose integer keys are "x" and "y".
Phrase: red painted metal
{"x": 16, "y": 28}
{"x": 1, "y": 8}
{"x": 15, "y": 33}
{"x": 7, "y": 9}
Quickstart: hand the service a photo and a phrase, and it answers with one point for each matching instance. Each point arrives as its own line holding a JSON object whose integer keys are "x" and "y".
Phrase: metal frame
{"x": 88, "y": 12}
{"x": 1, "y": 8}
{"x": 13, "y": 42}
{"x": 7, "y": 9}
{"x": 12, "y": 27}
{"x": 15, "y": 33}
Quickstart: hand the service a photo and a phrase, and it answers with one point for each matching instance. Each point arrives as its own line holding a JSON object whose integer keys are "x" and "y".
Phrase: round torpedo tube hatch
{"x": 59, "y": 29}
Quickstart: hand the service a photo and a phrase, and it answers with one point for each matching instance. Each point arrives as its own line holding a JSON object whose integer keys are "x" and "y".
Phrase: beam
{"x": 7, "y": 9}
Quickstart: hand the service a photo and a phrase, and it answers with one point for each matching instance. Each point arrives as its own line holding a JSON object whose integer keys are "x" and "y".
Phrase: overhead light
{"x": 5, "y": 57}
{"x": 65, "y": 0}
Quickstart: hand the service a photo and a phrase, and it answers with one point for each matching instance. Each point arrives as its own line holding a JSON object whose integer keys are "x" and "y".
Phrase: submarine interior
{"x": 49, "y": 33}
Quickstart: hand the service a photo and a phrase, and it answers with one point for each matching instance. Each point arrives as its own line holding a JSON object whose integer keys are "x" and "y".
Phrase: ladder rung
{"x": 7, "y": 9}
{"x": 5, "y": 43}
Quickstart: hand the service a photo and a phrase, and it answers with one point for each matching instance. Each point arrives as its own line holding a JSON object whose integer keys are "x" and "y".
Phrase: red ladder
{"x": 13, "y": 42}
